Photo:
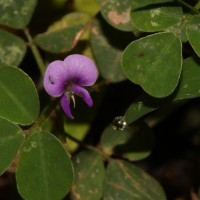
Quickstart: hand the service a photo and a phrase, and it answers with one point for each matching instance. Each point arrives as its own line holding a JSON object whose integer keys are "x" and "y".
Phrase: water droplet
{"x": 119, "y": 123}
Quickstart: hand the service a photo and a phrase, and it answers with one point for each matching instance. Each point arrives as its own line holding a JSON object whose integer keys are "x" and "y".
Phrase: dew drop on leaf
{"x": 119, "y": 123}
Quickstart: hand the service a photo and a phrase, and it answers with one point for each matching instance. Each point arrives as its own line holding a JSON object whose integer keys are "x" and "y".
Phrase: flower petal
{"x": 55, "y": 78}
{"x": 83, "y": 93}
{"x": 65, "y": 103}
{"x": 81, "y": 70}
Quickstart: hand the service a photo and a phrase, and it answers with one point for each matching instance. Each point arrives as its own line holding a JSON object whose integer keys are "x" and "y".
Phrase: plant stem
{"x": 87, "y": 146}
{"x": 194, "y": 9}
{"x": 47, "y": 111}
{"x": 35, "y": 52}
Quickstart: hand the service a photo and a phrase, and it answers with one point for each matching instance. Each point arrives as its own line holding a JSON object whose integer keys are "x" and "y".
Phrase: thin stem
{"x": 87, "y": 146}
{"x": 35, "y": 52}
{"x": 46, "y": 113}
{"x": 194, "y": 9}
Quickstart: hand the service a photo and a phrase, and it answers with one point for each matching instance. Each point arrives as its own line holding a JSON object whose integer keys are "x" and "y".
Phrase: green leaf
{"x": 155, "y": 63}
{"x": 137, "y": 110}
{"x": 143, "y": 105}
{"x": 117, "y": 13}
{"x": 64, "y": 34}
{"x": 16, "y": 14}
{"x": 134, "y": 143}
{"x": 156, "y": 15}
{"x": 108, "y": 49}
{"x": 86, "y": 6}
{"x": 188, "y": 86}
{"x": 126, "y": 181}
{"x": 180, "y": 29}
{"x": 19, "y": 100}
{"x": 89, "y": 176}
{"x": 11, "y": 139}
{"x": 2, "y": 64}
{"x": 44, "y": 170}
{"x": 193, "y": 33}
{"x": 12, "y": 48}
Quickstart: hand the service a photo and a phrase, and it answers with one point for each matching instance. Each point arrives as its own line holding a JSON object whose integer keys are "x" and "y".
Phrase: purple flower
{"x": 71, "y": 76}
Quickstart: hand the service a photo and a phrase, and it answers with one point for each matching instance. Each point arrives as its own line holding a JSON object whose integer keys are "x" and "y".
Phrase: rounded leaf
{"x": 16, "y": 14}
{"x": 89, "y": 176}
{"x": 64, "y": 34}
{"x": 156, "y": 15}
{"x": 107, "y": 49}
{"x": 193, "y": 33}
{"x": 117, "y": 13}
{"x": 155, "y": 63}
{"x": 188, "y": 86}
{"x": 144, "y": 104}
{"x": 44, "y": 170}
{"x": 126, "y": 181}
{"x": 19, "y": 100}
{"x": 11, "y": 139}
{"x": 134, "y": 143}
{"x": 12, "y": 48}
